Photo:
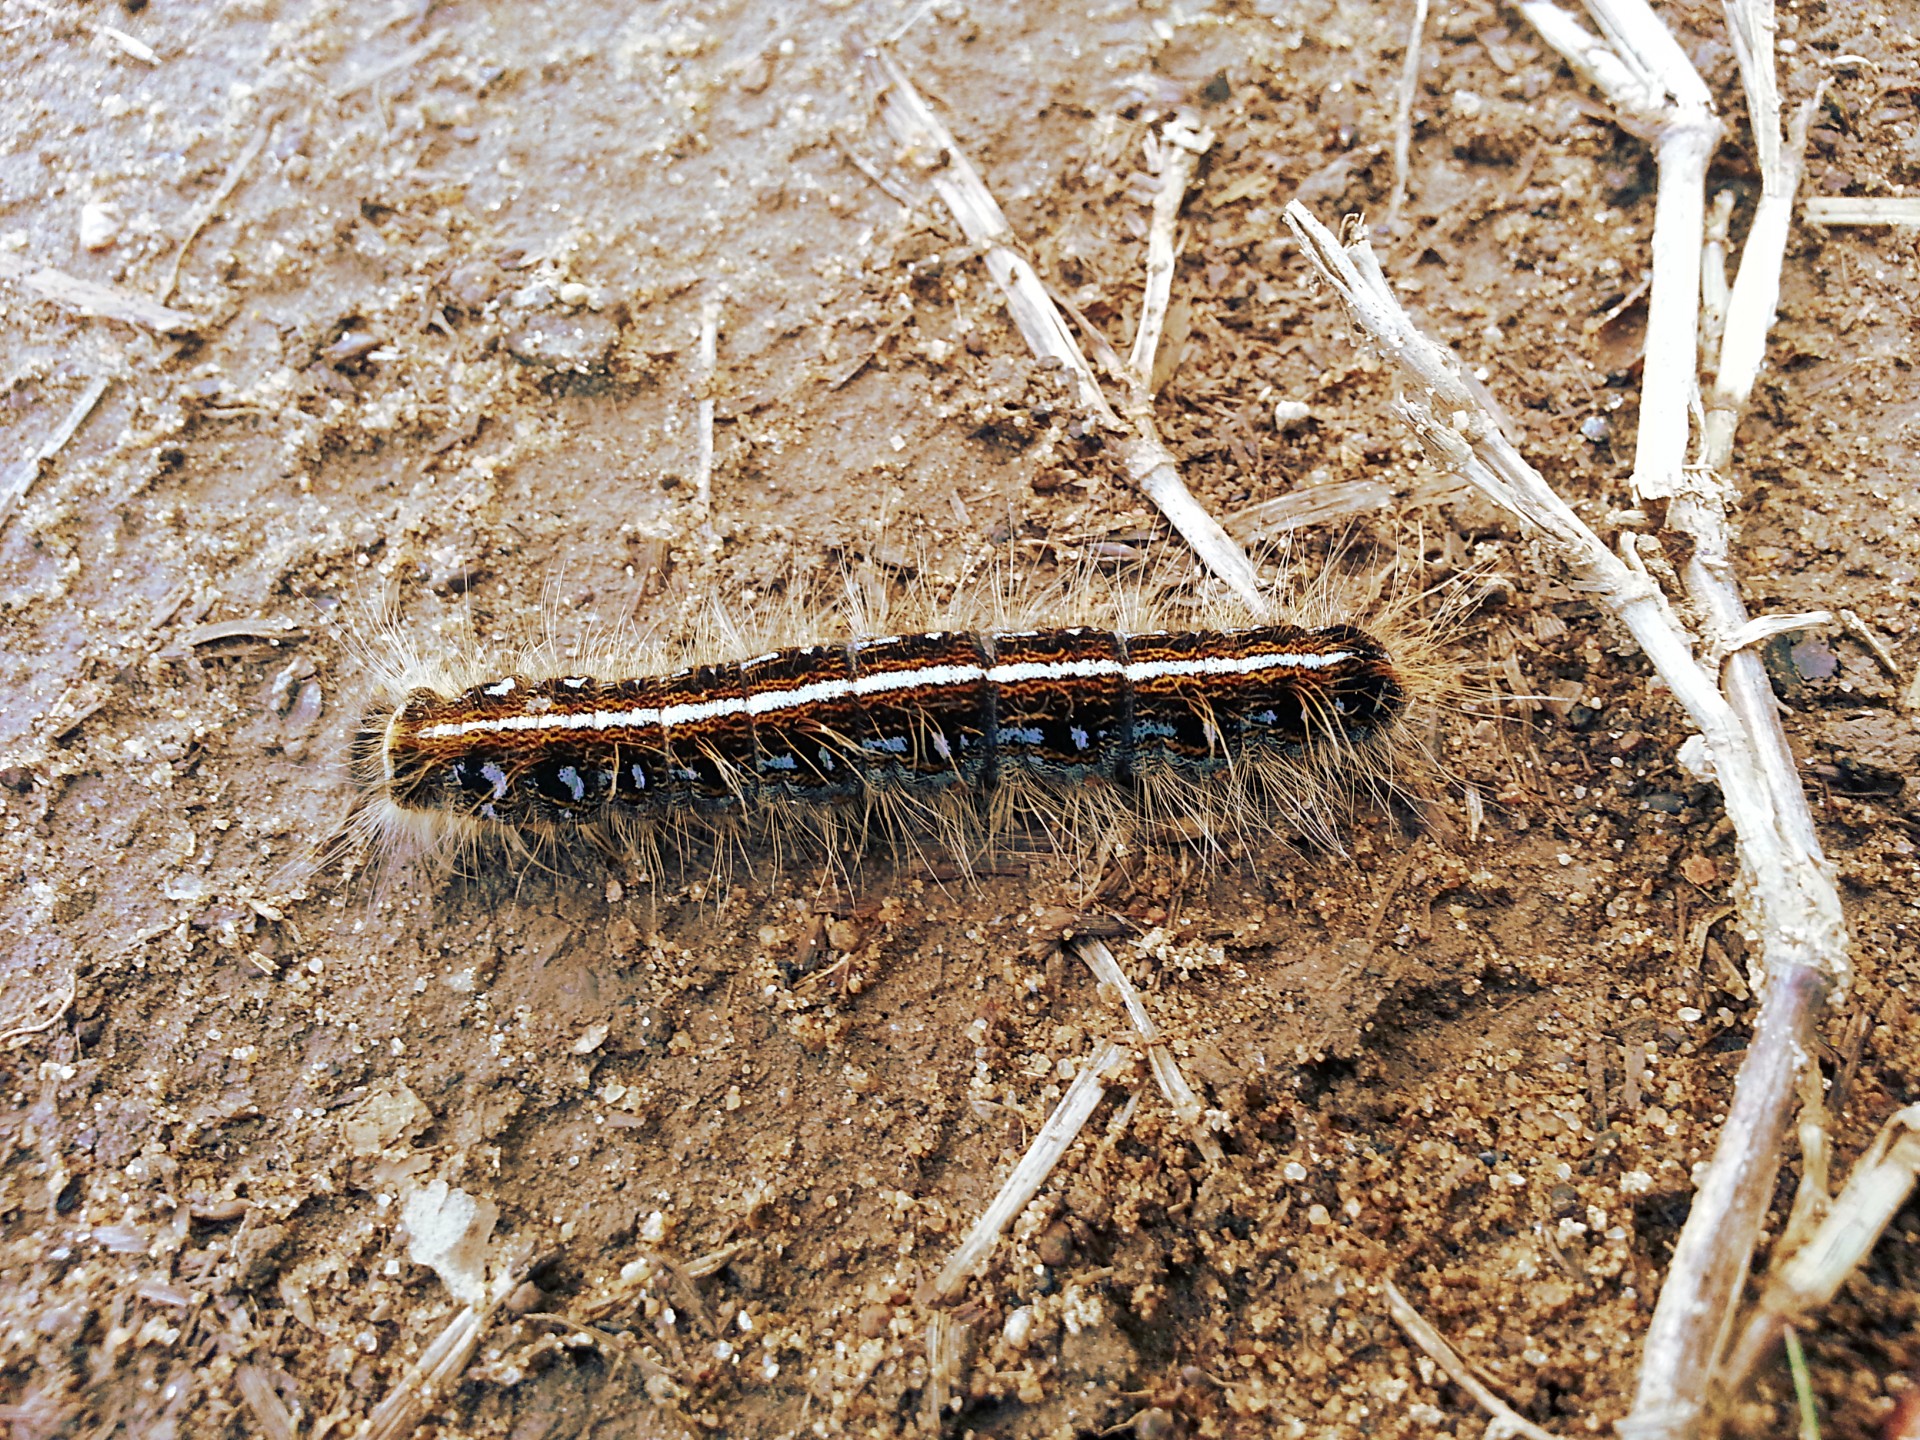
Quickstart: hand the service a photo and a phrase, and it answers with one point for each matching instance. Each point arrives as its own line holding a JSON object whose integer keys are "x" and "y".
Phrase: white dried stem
{"x": 1166, "y": 1070}
{"x": 399, "y": 1414}
{"x": 1181, "y": 147}
{"x": 1789, "y": 896}
{"x": 1714, "y": 293}
{"x": 946, "y": 1353}
{"x": 1862, "y": 210}
{"x": 1063, "y": 1126}
{"x": 707, "y": 363}
{"x": 1403, "y": 117}
{"x": 1505, "y": 1420}
{"x": 1655, "y": 92}
{"x": 90, "y": 297}
{"x": 1711, "y": 1257}
{"x": 17, "y": 479}
{"x": 1853, "y": 1224}
{"x": 1750, "y": 26}
{"x": 931, "y": 150}
{"x": 1756, "y": 288}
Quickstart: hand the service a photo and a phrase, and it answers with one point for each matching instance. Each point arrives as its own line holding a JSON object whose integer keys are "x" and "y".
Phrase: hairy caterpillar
{"x": 963, "y": 736}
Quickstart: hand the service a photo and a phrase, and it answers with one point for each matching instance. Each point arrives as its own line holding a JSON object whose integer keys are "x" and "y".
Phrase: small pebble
{"x": 281, "y": 694}
{"x": 1291, "y": 414}
{"x": 526, "y": 1298}
{"x": 1019, "y": 1328}
{"x": 1597, "y": 429}
{"x": 577, "y": 343}
{"x": 351, "y": 345}
{"x": 99, "y": 225}
{"x": 1055, "y": 1245}
{"x": 474, "y": 283}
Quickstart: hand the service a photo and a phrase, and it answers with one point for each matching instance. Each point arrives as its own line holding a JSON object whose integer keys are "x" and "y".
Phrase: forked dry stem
{"x": 1813, "y": 1273}
{"x": 1166, "y": 1070}
{"x": 930, "y": 148}
{"x": 1181, "y": 147}
{"x": 1803, "y": 928}
{"x": 1788, "y": 896}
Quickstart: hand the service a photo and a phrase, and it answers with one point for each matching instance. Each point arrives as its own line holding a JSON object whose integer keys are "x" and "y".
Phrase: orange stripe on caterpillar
{"x": 932, "y": 714}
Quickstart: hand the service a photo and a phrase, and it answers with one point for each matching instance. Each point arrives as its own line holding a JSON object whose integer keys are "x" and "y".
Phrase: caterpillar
{"x": 958, "y": 731}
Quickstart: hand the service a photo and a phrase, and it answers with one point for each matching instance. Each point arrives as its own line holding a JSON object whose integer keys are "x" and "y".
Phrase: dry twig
{"x": 1792, "y": 904}
{"x": 1056, "y": 1136}
{"x": 18, "y": 477}
{"x": 1180, "y": 149}
{"x": 1853, "y": 1223}
{"x": 109, "y": 302}
{"x": 203, "y": 216}
{"x": 1403, "y": 116}
{"x": 399, "y": 1414}
{"x": 1166, "y": 1071}
{"x": 931, "y": 149}
{"x": 1862, "y": 210}
{"x": 708, "y": 363}
{"x": 1655, "y": 92}
{"x": 36, "y": 1027}
{"x": 1504, "y": 1420}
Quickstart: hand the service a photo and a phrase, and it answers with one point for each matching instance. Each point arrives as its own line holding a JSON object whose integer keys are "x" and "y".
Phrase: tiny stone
{"x": 352, "y": 345}
{"x": 17, "y": 778}
{"x": 474, "y": 283}
{"x": 526, "y": 1298}
{"x": 1055, "y": 1245}
{"x": 1019, "y": 1328}
{"x": 1290, "y": 415}
{"x": 577, "y": 343}
{"x": 99, "y": 225}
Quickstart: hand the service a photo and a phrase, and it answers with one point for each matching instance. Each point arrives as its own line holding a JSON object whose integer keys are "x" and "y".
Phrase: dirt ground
{"x": 445, "y": 353}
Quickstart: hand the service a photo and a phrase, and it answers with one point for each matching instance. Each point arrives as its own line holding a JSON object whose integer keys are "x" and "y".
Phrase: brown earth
{"x": 445, "y": 351}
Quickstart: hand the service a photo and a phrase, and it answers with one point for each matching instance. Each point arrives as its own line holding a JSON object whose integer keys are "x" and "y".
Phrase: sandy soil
{"x": 443, "y": 352}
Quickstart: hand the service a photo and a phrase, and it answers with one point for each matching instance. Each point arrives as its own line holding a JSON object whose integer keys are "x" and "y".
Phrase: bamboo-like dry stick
{"x": 1181, "y": 147}
{"x": 1854, "y": 1222}
{"x": 1166, "y": 1070}
{"x": 931, "y": 149}
{"x": 1056, "y": 1136}
{"x": 1656, "y": 93}
{"x": 1862, "y": 210}
{"x": 1503, "y": 1418}
{"x": 1790, "y": 898}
